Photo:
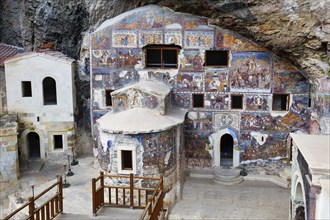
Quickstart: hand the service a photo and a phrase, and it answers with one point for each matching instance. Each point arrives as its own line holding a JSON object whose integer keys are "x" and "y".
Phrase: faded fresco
{"x": 173, "y": 37}
{"x": 290, "y": 82}
{"x": 322, "y": 105}
{"x": 191, "y": 61}
{"x": 198, "y": 39}
{"x": 216, "y": 81}
{"x": 181, "y": 100}
{"x": 194, "y": 22}
{"x": 101, "y": 40}
{"x": 124, "y": 39}
{"x": 258, "y": 102}
{"x": 150, "y": 37}
{"x": 216, "y": 101}
{"x": 189, "y": 82}
{"x": 250, "y": 71}
{"x": 128, "y": 58}
{"x": 104, "y": 59}
{"x": 163, "y": 77}
{"x": 115, "y": 79}
{"x": 226, "y": 119}
{"x": 152, "y": 19}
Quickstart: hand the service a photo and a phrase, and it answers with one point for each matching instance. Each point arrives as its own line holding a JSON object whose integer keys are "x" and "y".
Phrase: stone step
{"x": 230, "y": 183}
{"x": 200, "y": 173}
{"x": 227, "y": 176}
{"x": 269, "y": 178}
{"x": 288, "y": 170}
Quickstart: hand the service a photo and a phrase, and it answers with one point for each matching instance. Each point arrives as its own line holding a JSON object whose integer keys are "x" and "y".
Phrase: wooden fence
{"x": 129, "y": 195}
{"x": 47, "y": 210}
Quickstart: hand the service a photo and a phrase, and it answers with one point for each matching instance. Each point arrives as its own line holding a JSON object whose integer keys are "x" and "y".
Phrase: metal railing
{"x": 129, "y": 195}
{"x": 47, "y": 210}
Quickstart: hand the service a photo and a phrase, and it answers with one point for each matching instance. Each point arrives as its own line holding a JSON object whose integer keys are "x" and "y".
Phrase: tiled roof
{"x": 55, "y": 55}
{"x": 7, "y": 51}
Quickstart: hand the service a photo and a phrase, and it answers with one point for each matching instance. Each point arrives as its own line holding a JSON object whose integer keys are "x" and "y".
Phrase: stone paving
{"x": 204, "y": 199}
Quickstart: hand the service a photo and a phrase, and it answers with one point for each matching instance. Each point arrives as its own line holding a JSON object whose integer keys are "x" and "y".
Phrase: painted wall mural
{"x": 128, "y": 58}
{"x": 124, "y": 38}
{"x": 181, "y": 100}
{"x": 290, "y": 82}
{"x": 257, "y": 102}
{"x": 191, "y": 61}
{"x": 101, "y": 40}
{"x": 216, "y": 81}
{"x": 194, "y": 22}
{"x": 250, "y": 71}
{"x": 198, "y": 39}
{"x": 216, "y": 101}
{"x": 114, "y": 79}
{"x": 150, "y": 37}
{"x": 173, "y": 37}
{"x": 189, "y": 82}
{"x": 226, "y": 119}
{"x": 104, "y": 59}
{"x": 152, "y": 19}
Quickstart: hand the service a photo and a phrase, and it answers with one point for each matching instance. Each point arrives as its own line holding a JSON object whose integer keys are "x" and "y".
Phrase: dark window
{"x": 49, "y": 91}
{"x": 58, "y": 142}
{"x": 198, "y": 100}
{"x": 280, "y": 102}
{"x": 162, "y": 56}
{"x": 108, "y": 99}
{"x": 216, "y": 57}
{"x": 236, "y": 101}
{"x": 126, "y": 160}
{"x": 26, "y": 89}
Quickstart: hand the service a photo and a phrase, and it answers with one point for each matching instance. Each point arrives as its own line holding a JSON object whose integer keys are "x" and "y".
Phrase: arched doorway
{"x": 49, "y": 91}
{"x": 33, "y": 141}
{"x": 299, "y": 201}
{"x": 226, "y": 150}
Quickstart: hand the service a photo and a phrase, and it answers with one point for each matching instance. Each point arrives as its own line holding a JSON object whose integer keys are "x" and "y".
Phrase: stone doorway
{"x": 226, "y": 150}
{"x": 33, "y": 142}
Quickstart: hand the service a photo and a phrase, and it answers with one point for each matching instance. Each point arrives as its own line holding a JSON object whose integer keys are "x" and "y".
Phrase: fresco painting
{"x": 216, "y": 101}
{"x": 124, "y": 39}
{"x": 104, "y": 59}
{"x": 198, "y": 39}
{"x": 150, "y": 37}
{"x": 236, "y": 43}
{"x": 290, "y": 82}
{"x": 216, "y": 81}
{"x": 181, "y": 100}
{"x": 250, "y": 71}
{"x": 191, "y": 61}
{"x": 101, "y": 40}
{"x": 322, "y": 105}
{"x": 189, "y": 82}
{"x": 282, "y": 65}
{"x": 173, "y": 37}
{"x": 163, "y": 77}
{"x": 152, "y": 19}
{"x": 128, "y": 58}
{"x": 193, "y": 22}
{"x": 129, "y": 22}
{"x": 120, "y": 103}
{"x": 258, "y": 102}
{"x": 115, "y": 79}
{"x": 173, "y": 20}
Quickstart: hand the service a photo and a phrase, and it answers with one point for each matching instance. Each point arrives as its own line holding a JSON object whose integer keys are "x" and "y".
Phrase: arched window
{"x": 49, "y": 91}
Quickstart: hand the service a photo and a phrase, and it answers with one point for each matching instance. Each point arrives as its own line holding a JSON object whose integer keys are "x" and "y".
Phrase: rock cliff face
{"x": 298, "y": 30}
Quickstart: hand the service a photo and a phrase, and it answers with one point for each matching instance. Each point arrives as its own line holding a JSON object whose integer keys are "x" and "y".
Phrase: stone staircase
{"x": 227, "y": 176}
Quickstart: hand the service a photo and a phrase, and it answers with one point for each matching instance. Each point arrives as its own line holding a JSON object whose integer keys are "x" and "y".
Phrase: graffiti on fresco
{"x": 322, "y": 105}
{"x": 258, "y": 102}
{"x": 115, "y": 79}
{"x": 189, "y": 82}
{"x": 191, "y": 61}
{"x": 193, "y": 22}
{"x": 216, "y": 81}
{"x": 104, "y": 59}
{"x": 173, "y": 37}
{"x": 290, "y": 82}
{"x": 101, "y": 40}
{"x": 124, "y": 39}
{"x": 198, "y": 39}
{"x": 216, "y": 101}
{"x": 181, "y": 100}
{"x": 323, "y": 87}
{"x": 152, "y": 19}
{"x": 128, "y": 58}
{"x": 150, "y": 37}
{"x": 250, "y": 71}
{"x": 225, "y": 120}
{"x": 163, "y": 77}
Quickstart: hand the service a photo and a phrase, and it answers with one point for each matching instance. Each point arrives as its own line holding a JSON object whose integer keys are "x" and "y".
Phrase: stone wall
{"x": 9, "y": 167}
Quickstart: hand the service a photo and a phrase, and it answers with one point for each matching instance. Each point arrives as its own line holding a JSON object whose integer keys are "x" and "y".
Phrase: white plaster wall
{"x": 323, "y": 203}
{"x": 35, "y": 69}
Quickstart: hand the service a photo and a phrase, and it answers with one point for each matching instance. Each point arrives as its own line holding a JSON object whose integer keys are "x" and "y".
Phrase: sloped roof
{"x": 7, "y": 51}
{"x": 46, "y": 53}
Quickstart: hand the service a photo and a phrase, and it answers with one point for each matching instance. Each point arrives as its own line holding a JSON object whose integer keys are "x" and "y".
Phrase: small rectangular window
{"x": 237, "y": 101}
{"x": 216, "y": 57}
{"x": 162, "y": 57}
{"x": 26, "y": 89}
{"x": 198, "y": 100}
{"x": 126, "y": 160}
{"x": 280, "y": 102}
{"x": 108, "y": 99}
{"x": 58, "y": 142}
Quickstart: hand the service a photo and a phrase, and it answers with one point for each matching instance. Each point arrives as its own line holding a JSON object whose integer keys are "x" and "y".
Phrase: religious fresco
{"x": 223, "y": 120}
{"x": 173, "y": 20}
{"x": 216, "y": 101}
{"x": 282, "y": 65}
{"x": 129, "y": 22}
{"x": 189, "y": 82}
{"x": 150, "y": 37}
{"x": 173, "y": 37}
{"x": 257, "y": 102}
{"x": 101, "y": 41}
{"x": 152, "y": 19}
{"x": 124, "y": 38}
{"x": 191, "y": 61}
{"x": 322, "y": 105}
{"x": 104, "y": 59}
{"x": 115, "y": 79}
{"x": 181, "y": 100}
{"x": 163, "y": 77}
{"x": 250, "y": 71}
{"x": 194, "y": 22}
{"x": 198, "y": 39}
{"x": 290, "y": 82}
{"x": 128, "y": 58}
{"x": 216, "y": 81}
{"x": 120, "y": 103}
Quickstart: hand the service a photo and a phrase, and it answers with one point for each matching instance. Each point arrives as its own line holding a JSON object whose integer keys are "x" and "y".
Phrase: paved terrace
{"x": 202, "y": 198}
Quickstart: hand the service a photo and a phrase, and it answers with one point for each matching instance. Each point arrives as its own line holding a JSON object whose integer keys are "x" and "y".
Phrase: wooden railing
{"x": 129, "y": 195}
{"x": 47, "y": 210}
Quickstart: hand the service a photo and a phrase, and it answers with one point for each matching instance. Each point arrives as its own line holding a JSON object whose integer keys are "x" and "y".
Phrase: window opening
{"x": 126, "y": 160}
{"x": 237, "y": 101}
{"x": 58, "y": 142}
{"x": 280, "y": 102}
{"x": 198, "y": 100}
{"x": 49, "y": 91}
{"x": 162, "y": 56}
{"x": 216, "y": 57}
{"x": 108, "y": 99}
{"x": 26, "y": 89}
